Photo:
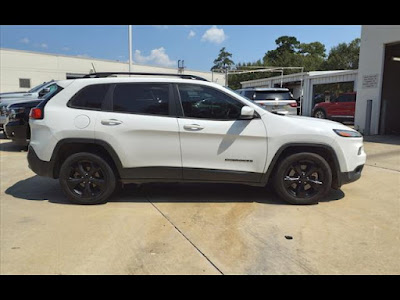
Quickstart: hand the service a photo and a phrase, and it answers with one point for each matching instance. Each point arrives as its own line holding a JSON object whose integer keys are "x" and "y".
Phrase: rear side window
{"x": 90, "y": 97}
{"x": 149, "y": 99}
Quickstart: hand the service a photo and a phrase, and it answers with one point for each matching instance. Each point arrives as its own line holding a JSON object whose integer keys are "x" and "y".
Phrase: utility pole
{"x": 130, "y": 46}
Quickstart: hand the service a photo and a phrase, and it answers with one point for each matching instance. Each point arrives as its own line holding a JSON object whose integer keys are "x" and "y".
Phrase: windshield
{"x": 272, "y": 95}
{"x": 37, "y": 88}
{"x": 54, "y": 89}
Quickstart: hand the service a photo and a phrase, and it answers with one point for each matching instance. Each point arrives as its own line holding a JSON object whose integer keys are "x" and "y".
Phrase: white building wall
{"x": 372, "y": 53}
{"x": 41, "y": 67}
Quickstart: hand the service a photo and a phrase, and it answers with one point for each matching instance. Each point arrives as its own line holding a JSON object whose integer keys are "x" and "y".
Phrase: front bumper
{"x": 40, "y": 167}
{"x": 16, "y": 131}
{"x": 3, "y": 119}
{"x": 347, "y": 177}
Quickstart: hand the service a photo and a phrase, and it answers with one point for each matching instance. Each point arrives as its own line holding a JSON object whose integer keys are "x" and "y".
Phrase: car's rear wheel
{"x": 303, "y": 178}
{"x": 320, "y": 114}
{"x": 87, "y": 179}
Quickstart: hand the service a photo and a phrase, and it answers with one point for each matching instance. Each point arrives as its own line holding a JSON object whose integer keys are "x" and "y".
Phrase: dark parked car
{"x": 16, "y": 126}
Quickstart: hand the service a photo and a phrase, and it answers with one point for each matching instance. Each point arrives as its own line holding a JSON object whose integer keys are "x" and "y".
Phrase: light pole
{"x": 130, "y": 46}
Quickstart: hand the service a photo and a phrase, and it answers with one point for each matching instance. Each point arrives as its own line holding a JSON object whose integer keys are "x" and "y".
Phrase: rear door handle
{"x": 193, "y": 127}
{"x": 111, "y": 122}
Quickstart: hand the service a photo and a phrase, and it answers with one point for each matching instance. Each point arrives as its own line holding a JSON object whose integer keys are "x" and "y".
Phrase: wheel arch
{"x": 327, "y": 152}
{"x": 66, "y": 147}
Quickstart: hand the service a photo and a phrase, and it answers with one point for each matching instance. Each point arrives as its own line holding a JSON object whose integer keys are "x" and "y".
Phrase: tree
{"x": 223, "y": 60}
{"x": 286, "y": 46}
{"x": 344, "y": 56}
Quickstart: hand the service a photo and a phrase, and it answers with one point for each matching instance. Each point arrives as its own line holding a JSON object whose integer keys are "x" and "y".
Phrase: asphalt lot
{"x": 201, "y": 228}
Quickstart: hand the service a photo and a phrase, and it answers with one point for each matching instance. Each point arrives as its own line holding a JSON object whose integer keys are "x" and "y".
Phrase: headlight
{"x": 347, "y": 133}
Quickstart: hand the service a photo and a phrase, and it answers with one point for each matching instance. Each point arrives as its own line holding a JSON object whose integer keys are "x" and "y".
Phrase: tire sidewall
{"x": 284, "y": 165}
{"x": 107, "y": 171}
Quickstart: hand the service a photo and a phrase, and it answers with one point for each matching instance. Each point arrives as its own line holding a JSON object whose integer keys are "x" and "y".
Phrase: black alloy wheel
{"x": 303, "y": 178}
{"x": 87, "y": 179}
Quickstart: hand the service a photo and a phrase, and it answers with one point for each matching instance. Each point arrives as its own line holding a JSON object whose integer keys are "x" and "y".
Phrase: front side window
{"x": 208, "y": 103}
{"x": 90, "y": 97}
{"x": 144, "y": 98}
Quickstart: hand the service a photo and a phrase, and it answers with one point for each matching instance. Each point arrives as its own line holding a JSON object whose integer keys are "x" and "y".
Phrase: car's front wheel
{"x": 303, "y": 178}
{"x": 87, "y": 179}
{"x": 320, "y": 114}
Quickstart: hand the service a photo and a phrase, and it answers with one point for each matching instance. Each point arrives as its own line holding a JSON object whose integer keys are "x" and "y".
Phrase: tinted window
{"x": 249, "y": 94}
{"x": 91, "y": 97}
{"x": 205, "y": 102}
{"x": 346, "y": 98}
{"x": 259, "y": 95}
{"x": 142, "y": 98}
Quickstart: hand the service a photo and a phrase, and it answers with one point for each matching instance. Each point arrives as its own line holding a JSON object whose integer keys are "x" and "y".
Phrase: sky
{"x": 164, "y": 45}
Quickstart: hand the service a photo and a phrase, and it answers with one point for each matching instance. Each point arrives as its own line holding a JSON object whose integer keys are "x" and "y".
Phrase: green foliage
{"x": 290, "y": 52}
{"x": 343, "y": 56}
{"x": 223, "y": 60}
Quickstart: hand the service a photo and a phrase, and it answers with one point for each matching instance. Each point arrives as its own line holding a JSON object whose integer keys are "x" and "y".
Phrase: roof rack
{"x": 108, "y": 74}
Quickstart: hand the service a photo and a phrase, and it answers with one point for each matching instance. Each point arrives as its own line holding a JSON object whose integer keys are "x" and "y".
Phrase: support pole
{"x": 130, "y": 47}
{"x": 367, "y": 129}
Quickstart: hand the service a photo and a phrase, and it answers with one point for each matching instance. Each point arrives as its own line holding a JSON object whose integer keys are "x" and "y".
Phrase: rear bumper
{"x": 347, "y": 177}
{"x": 40, "y": 167}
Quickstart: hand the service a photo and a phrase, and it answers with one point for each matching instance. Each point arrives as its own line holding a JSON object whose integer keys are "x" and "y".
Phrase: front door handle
{"x": 111, "y": 122}
{"x": 193, "y": 127}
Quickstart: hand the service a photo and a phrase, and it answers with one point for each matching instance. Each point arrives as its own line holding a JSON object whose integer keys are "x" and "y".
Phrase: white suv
{"x": 94, "y": 133}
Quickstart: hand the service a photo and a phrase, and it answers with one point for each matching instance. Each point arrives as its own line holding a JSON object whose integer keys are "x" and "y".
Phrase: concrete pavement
{"x": 201, "y": 228}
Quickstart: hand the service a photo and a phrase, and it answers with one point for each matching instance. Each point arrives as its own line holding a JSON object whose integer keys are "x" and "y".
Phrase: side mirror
{"x": 247, "y": 113}
{"x": 44, "y": 92}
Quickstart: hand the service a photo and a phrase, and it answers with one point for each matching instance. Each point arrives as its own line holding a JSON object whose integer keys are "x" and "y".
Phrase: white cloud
{"x": 191, "y": 34}
{"x": 65, "y": 49}
{"x": 214, "y": 35}
{"x": 83, "y": 55}
{"x": 156, "y": 57}
{"x": 44, "y": 45}
{"x": 24, "y": 41}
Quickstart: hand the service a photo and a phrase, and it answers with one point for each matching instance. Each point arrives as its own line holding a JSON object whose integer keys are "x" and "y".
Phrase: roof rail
{"x": 108, "y": 74}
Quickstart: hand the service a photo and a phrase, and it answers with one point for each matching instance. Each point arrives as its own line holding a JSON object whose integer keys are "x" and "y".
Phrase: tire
{"x": 303, "y": 178}
{"x": 320, "y": 114}
{"x": 87, "y": 179}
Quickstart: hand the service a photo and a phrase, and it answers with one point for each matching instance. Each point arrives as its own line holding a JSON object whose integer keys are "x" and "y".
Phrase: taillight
{"x": 36, "y": 113}
{"x": 293, "y": 104}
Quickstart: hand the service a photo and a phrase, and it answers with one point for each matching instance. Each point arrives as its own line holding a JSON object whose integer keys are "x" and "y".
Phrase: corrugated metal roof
{"x": 304, "y": 75}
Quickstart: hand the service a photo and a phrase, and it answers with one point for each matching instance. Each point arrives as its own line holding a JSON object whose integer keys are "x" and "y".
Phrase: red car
{"x": 341, "y": 108}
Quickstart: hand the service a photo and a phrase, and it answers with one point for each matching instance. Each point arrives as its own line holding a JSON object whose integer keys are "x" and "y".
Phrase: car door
{"x": 138, "y": 121}
{"x": 216, "y": 145}
{"x": 343, "y": 106}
